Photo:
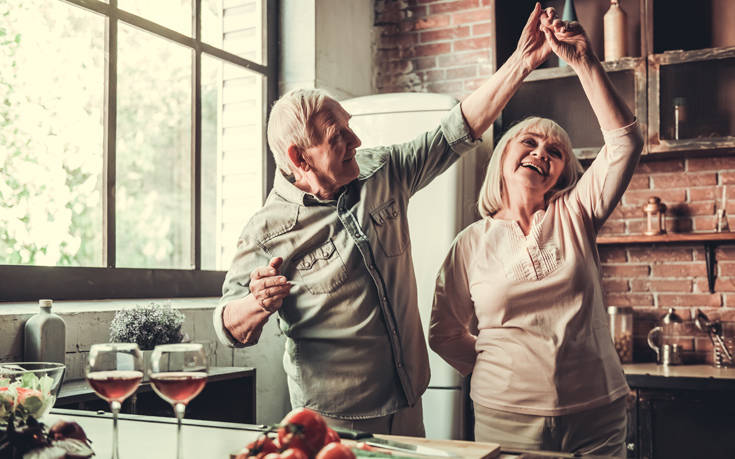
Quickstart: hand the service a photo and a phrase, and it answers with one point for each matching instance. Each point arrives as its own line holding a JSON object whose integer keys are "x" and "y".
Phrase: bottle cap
{"x": 45, "y": 304}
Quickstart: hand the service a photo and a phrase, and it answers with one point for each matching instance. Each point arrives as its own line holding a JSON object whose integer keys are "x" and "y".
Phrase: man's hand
{"x": 268, "y": 287}
{"x": 533, "y": 48}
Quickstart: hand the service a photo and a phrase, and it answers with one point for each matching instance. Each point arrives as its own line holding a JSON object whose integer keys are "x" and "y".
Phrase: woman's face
{"x": 534, "y": 162}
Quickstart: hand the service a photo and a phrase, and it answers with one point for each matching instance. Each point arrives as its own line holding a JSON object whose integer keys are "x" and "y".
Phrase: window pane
{"x": 232, "y": 156}
{"x": 237, "y": 26}
{"x": 153, "y": 194}
{"x": 174, "y": 14}
{"x": 51, "y": 133}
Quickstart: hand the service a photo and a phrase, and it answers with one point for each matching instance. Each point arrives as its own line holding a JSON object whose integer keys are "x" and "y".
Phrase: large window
{"x": 132, "y": 145}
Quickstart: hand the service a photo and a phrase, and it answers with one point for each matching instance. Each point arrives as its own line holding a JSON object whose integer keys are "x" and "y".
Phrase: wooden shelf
{"x": 668, "y": 238}
{"x": 710, "y": 241}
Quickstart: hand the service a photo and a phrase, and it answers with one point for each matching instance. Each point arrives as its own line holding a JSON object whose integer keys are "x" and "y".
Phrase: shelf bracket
{"x": 709, "y": 256}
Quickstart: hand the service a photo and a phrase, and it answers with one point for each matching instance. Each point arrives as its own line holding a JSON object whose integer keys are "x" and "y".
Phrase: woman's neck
{"x": 520, "y": 209}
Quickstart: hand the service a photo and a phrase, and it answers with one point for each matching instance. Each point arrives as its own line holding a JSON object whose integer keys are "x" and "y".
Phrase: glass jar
{"x": 621, "y": 329}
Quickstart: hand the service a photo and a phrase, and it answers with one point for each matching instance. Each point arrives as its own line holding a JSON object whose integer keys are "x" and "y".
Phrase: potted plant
{"x": 147, "y": 325}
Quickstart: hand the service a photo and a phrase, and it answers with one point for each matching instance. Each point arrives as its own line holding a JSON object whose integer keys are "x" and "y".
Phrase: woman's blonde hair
{"x": 492, "y": 192}
{"x": 291, "y": 122}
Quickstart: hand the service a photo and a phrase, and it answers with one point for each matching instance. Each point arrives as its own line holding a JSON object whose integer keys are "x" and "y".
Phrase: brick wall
{"x": 445, "y": 46}
{"x": 432, "y": 45}
{"x": 652, "y": 278}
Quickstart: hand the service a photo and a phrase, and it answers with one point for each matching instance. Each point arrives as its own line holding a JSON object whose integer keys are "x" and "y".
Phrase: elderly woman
{"x": 545, "y": 374}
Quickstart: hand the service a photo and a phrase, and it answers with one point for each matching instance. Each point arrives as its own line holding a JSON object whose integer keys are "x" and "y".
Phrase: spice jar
{"x": 655, "y": 223}
{"x": 621, "y": 329}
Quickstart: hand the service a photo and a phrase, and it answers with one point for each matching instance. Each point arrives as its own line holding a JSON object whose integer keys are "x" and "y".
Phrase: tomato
{"x": 294, "y": 453}
{"x": 303, "y": 429}
{"x": 261, "y": 446}
{"x": 336, "y": 451}
{"x": 331, "y": 436}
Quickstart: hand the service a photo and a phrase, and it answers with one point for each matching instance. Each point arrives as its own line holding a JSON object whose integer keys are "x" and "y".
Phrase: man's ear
{"x": 296, "y": 155}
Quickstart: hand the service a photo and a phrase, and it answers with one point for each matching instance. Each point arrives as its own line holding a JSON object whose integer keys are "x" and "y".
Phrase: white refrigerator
{"x": 436, "y": 214}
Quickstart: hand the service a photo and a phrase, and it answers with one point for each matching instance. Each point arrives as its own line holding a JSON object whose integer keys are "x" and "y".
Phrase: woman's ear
{"x": 296, "y": 155}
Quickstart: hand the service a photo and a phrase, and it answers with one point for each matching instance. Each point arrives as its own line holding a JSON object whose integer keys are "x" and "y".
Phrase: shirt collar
{"x": 290, "y": 192}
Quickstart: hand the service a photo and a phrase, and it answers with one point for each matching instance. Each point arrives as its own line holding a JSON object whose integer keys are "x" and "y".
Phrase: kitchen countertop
{"x": 151, "y": 436}
{"x": 686, "y": 377}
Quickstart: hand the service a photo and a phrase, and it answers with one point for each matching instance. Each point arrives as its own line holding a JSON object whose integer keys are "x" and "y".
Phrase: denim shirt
{"x": 355, "y": 348}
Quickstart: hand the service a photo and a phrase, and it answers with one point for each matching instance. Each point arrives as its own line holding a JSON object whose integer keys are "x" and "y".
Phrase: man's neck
{"x": 309, "y": 184}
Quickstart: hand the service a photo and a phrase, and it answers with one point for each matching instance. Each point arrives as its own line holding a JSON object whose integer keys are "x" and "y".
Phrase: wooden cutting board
{"x": 464, "y": 449}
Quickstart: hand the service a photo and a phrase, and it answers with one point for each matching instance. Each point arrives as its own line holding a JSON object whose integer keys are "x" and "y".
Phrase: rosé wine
{"x": 179, "y": 386}
{"x": 114, "y": 385}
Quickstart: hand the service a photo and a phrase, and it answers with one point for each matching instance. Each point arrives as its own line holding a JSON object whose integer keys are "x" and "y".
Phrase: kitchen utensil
{"x": 668, "y": 351}
{"x": 418, "y": 450}
{"x": 368, "y": 438}
{"x": 712, "y": 329}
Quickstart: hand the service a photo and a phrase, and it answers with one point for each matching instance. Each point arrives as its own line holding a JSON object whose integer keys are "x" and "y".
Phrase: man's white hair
{"x": 291, "y": 123}
{"x": 493, "y": 189}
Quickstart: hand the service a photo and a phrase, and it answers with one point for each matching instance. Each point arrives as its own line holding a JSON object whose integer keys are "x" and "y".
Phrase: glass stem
{"x": 179, "y": 409}
{"x": 115, "y": 408}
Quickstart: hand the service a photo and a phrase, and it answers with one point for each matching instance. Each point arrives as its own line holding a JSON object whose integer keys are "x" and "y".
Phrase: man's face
{"x": 333, "y": 160}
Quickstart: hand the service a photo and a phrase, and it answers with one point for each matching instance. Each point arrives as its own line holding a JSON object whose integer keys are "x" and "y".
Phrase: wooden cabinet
{"x": 679, "y": 78}
{"x": 229, "y": 396}
{"x": 681, "y": 411}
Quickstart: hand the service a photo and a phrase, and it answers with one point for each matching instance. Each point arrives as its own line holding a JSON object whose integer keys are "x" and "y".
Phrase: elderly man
{"x": 329, "y": 251}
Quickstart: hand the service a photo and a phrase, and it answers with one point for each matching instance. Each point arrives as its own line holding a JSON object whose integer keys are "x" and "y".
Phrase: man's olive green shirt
{"x": 354, "y": 343}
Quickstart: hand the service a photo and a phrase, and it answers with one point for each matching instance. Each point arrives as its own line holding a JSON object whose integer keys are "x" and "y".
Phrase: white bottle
{"x": 615, "y": 32}
{"x": 45, "y": 336}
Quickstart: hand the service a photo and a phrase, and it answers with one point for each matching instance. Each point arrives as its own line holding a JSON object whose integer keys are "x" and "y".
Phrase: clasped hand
{"x": 545, "y": 33}
{"x": 268, "y": 287}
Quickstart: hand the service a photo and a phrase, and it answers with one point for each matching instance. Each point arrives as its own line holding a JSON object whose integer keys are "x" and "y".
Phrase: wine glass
{"x": 178, "y": 373}
{"x": 114, "y": 371}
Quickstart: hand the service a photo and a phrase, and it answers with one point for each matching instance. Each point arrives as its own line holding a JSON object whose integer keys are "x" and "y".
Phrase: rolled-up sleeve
{"x": 418, "y": 162}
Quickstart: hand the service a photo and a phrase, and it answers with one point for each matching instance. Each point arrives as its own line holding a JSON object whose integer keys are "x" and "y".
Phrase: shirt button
{"x": 395, "y": 332}
{"x": 400, "y": 365}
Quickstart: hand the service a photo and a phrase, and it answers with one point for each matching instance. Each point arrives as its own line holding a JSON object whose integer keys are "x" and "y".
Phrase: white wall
{"x": 327, "y": 44}
{"x": 87, "y": 322}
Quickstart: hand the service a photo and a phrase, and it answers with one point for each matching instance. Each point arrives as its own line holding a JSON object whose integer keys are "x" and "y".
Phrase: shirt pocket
{"x": 322, "y": 270}
{"x": 391, "y": 228}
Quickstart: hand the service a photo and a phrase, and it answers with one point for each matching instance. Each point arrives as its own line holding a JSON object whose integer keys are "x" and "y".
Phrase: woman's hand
{"x": 533, "y": 48}
{"x": 568, "y": 41}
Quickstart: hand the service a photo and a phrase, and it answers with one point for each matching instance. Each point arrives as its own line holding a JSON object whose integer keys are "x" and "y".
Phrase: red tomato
{"x": 261, "y": 446}
{"x": 294, "y": 453}
{"x": 303, "y": 429}
{"x": 336, "y": 451}
{"x": 331, "y": 436}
